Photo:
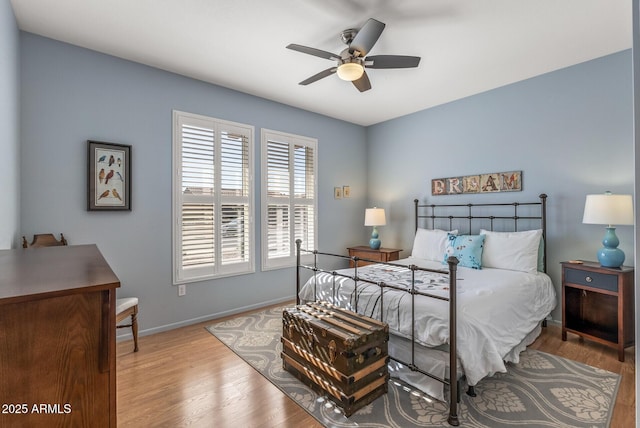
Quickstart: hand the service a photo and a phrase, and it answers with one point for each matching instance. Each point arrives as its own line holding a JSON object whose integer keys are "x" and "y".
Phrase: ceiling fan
{"x": 352, "y": 61}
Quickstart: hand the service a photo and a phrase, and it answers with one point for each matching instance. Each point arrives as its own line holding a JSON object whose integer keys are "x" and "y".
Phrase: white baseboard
{"x": 167, "y": 327}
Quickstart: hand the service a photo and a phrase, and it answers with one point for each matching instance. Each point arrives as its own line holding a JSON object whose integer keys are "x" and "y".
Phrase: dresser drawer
{"x": 599, "y": 280}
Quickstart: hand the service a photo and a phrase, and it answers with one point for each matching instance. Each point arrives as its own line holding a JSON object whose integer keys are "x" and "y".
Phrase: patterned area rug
{"x": 541, "y": 391}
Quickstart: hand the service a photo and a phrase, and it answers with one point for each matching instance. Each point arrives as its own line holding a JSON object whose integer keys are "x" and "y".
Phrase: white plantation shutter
{"x": 197, "y": 159}
{"x": 197, "y": 228}
{"x": 305, "y": 225}
{"x": 235, "y": 180}
{"x": 213, "y": 193}
{"x": 197, "y": 235}
{"x": 304, "y": 195}
{"x": 278, "y": 231}
{"x": 278, "y": 169}
{"x": 289, "y": 206}
{"x": 278, "y": 191}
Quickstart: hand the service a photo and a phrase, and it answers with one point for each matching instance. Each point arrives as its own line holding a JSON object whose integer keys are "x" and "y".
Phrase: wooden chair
{"x": 124, "y": 308}
{"x": 44, "y": 240}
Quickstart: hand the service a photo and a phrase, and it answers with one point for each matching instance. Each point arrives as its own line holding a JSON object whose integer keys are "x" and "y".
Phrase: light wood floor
{"x": 186, "y": 377}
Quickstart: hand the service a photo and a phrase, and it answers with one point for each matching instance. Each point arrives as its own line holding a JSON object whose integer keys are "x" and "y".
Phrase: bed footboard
{"x": 452, "y": 271}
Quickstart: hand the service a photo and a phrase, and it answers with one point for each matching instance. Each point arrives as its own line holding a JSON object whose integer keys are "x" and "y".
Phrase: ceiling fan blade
{"x": 392, "y": 61}
{"x": 362, "y": 83}
{"x": 313, "y": 51}
{"x": 321, "y": 75}
{"x": 366, "y": 37}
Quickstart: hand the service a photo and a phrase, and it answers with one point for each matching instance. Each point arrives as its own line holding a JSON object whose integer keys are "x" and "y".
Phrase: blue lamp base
{"x": 374, "y": 242}
{"x": 610, "y": 255}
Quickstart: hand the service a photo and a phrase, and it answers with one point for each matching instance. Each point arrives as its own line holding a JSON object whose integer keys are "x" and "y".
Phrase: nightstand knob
{"x": 588, "y": 279}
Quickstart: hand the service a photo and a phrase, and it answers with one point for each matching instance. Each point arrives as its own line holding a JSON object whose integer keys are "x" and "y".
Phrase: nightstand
{"x": 597, "y": 304}
{"x": 379, "y": 255}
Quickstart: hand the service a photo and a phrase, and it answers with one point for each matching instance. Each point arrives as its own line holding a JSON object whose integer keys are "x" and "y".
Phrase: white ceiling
{"x": 467, "y": 46}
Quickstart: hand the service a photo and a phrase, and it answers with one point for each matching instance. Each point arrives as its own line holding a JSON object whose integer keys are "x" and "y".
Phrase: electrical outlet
{"x": 182, "y": 290}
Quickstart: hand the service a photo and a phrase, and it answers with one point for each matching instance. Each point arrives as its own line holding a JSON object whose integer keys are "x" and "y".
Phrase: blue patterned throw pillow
{"x": 466, "y": 248}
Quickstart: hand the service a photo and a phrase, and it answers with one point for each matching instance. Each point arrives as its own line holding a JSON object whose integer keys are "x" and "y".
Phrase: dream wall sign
{"x": 482, "y": 183}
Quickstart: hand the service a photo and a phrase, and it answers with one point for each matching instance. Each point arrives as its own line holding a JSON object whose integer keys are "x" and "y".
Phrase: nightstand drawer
{"x": 372, "y": 256}
{"x": 599, "y": 280}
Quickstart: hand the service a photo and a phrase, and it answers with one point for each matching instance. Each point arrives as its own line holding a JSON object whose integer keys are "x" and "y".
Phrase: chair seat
{"x": 125, "y": 303}
{"x": 128, "y": 307}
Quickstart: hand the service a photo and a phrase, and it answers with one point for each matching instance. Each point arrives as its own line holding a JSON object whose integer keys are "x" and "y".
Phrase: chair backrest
{"x": 44, "y": 240}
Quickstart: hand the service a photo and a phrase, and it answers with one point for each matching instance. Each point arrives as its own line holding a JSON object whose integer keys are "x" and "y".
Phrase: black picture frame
{"x": 108, "y": 176}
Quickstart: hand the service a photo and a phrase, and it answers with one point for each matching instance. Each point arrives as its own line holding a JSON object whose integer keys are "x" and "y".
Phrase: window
{"x": 212, "y": 198}
{"x": 289, "y": 189}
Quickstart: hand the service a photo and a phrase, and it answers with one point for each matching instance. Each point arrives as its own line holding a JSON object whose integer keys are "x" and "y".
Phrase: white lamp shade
{"x": 350, "y": 71}
{"x": 374, "y": 217}
{"x": 608, "y": 209}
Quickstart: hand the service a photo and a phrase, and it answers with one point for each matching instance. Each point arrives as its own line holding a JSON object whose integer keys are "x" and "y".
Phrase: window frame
{"x": 291, "y": 140}
{"x": 217, "y": 270}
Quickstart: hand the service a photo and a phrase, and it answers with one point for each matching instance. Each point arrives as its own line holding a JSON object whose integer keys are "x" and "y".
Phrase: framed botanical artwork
{"x": 346, "y": 191}
{"x": 108, "y": 176}
{"x": 337, "y": 192}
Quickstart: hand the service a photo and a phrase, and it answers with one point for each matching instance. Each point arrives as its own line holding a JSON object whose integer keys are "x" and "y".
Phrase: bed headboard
{"x": 510, "y": 215}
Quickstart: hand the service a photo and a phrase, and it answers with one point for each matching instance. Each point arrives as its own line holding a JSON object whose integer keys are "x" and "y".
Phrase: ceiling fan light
{"x": 350, "y": 71}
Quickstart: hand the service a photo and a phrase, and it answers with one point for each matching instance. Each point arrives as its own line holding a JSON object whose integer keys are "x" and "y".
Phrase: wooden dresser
{"x": 57, "y": 338}
{"x": 379, "y": 255}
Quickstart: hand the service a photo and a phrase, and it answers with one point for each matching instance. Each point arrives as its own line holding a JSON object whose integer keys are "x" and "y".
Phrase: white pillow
{"x": 429, "y": 244}
{"x": 511, "y": 250}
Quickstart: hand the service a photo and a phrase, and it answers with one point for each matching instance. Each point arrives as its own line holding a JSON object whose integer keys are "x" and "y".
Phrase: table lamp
{"x": 611, "y": 210}
{"x": 374, "y": 217}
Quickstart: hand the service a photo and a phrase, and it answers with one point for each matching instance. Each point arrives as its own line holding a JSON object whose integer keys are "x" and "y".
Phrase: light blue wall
{"x": 9, "y": 127}
{"x": 570, "y": 132}
{"x": 70, "y": 95}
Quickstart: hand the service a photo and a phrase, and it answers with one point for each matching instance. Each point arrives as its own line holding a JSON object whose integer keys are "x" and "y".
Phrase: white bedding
{"x": 496, "y": 308}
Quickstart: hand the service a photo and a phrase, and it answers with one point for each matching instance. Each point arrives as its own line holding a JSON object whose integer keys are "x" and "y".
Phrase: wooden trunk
{"x": 336, "y": 352}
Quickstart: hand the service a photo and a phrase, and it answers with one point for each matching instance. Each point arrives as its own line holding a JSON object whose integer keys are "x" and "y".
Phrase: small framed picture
{"x": 346, "y": 191}
{"x": 337, "y": 192}
{"x": 108, "y": 176}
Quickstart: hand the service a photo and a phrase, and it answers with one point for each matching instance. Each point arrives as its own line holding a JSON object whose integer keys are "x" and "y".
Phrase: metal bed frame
{"x": 453, "y": 382}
